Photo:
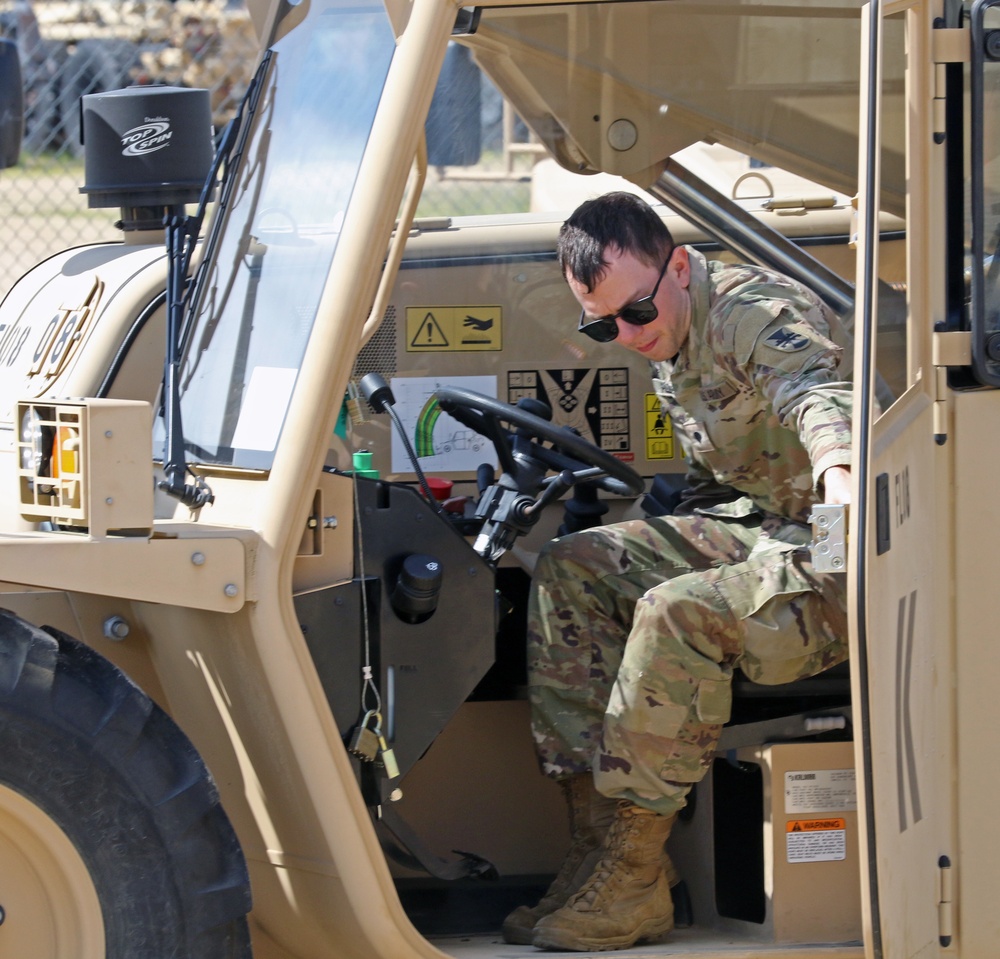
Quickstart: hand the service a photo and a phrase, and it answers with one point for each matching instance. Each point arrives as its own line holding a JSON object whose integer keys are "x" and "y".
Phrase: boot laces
{"x": 610, "y": 867}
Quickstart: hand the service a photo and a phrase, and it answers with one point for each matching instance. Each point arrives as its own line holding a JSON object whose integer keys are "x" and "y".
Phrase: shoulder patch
{"x": 789, "y": 344}
{"x": 787, "y": 340}
{"x": 744, "y": 322}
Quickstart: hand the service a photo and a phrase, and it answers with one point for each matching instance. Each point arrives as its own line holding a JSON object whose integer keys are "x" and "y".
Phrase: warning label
{"x": 453, "y": 329}
{"x": 820, "y": 790}
{"x": 816, "y": 840}
{"x": 659, "y": 431}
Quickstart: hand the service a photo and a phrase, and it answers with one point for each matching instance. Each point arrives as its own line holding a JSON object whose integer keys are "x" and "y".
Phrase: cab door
{"x": 899, "y": 562}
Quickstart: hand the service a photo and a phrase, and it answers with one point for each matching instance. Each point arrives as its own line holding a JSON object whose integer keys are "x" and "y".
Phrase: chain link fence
{"x": 69, "y": 48}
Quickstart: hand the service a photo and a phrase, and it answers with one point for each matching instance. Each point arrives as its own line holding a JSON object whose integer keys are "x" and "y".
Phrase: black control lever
{"x": 485, "y": 477}
{"x": 554, "y": 488}
{"x": 379, "y": 395}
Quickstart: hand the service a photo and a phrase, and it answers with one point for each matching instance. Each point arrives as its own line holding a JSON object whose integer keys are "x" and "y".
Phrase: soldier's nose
{"x": 626, "y": 332}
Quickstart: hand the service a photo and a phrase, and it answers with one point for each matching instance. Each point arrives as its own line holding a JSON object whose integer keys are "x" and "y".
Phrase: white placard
{"x": 264, "y": 406}
{"x": 450, "y": 446}
{"x": 820, "y": 790}
{"x": 816, "y": 840}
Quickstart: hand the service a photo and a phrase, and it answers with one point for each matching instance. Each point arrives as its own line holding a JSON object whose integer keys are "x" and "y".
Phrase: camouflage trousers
{"x": 634, "y": 631}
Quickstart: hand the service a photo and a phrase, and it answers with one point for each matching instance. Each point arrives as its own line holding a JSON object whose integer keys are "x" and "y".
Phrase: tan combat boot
{"x": 590, "y": 815}
{"x": 627, "y": 897}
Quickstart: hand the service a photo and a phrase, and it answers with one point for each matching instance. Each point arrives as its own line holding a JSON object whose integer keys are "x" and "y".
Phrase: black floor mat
{"x": 466, "y": 906}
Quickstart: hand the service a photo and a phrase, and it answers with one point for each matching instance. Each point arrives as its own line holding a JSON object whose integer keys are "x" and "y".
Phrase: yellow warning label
{"x": 814, "y": 825}
{"x": 453, "y": 329}
{"x": 659, "y": 431}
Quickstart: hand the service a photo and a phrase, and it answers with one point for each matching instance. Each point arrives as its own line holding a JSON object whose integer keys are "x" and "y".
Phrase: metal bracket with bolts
{"x": 829, "y": 538}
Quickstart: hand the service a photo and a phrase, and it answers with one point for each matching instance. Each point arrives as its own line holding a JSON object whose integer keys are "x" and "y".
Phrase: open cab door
{"x": 902, "y": 525}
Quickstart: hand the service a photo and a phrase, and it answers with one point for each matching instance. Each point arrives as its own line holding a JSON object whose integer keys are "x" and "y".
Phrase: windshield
{"x": 260, "y": 295}
{"x": 982, "y": 207}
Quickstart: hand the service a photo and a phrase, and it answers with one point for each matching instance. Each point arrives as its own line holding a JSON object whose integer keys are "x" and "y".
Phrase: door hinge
{"x": 951, "y": 45}
{"x": 951, "y": 347}
{"x": 946, "y": 910}
{"x": 948, "y": 45}
{"x": 948, "y": 348}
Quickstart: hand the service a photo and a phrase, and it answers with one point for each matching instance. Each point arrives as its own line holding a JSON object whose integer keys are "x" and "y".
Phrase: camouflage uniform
{"x": 634, "y": 629}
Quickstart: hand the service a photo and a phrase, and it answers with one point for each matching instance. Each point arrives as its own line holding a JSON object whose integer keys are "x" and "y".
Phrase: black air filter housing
{"x": 146, "y": 146}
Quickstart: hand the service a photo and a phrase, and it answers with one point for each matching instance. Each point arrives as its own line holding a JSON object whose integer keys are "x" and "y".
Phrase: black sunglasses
{"x": 605, "y": 328}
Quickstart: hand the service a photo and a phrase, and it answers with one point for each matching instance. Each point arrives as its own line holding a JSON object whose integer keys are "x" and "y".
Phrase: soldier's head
{"x": 631, "y": 281}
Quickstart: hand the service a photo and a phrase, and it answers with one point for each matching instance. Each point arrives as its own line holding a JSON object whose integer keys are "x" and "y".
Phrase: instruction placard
{"x": 816, "y": 840}
{"x": 594, "y": 402}
{"x": 820, "y": 790}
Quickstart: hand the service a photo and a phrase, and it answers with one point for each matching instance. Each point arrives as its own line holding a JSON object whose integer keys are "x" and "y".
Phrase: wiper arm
{"x": 175, "y": 469}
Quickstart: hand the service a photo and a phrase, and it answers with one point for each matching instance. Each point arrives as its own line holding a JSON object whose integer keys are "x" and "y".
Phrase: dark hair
{"x": 619, "y": 220}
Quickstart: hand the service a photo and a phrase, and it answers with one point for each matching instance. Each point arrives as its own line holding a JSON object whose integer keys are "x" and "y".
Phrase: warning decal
{"x": 453, "y": 329}
{"x": 816, "y": 840}
{"x": 659, "y": 431}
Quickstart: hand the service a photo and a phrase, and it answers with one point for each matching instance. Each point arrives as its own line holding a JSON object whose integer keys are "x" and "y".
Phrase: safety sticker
{"x": 453, "y": 329}
{"x": 820, "y": 790}
{"x": 659, "y": 431}
{"x": 816, "y": 840}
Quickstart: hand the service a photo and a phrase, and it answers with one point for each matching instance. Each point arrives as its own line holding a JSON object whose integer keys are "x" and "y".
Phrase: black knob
{"x": 418, "y": 585}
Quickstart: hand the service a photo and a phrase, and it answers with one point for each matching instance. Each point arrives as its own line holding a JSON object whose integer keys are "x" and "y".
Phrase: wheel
{"x": 569, "y": 450}
{"x": 113, "y": 841}
{"x": 48, "y": 897}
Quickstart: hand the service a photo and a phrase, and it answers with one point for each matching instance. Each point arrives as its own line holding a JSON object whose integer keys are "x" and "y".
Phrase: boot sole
{"x": 652, "y": 930}
{"x": 517, "y": 936}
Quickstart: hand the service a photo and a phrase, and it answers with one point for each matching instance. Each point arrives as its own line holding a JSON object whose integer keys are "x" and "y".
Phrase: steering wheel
{"x": 569, "y": 451}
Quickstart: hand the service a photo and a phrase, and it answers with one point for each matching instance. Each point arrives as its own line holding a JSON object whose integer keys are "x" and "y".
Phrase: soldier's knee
{"x": 579, "y": 549}
{"x": 550, "y": 559}
{"x": 694, "y": 613}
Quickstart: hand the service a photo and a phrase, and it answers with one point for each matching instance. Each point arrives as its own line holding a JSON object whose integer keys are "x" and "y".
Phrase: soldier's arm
{"x": 795, "y": 367}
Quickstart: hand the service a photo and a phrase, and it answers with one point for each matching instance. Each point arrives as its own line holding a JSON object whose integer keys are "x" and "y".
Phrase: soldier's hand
{"x": 837, "y": 485}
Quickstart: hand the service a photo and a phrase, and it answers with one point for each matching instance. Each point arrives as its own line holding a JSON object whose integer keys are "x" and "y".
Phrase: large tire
{"x": 113, "y": 843}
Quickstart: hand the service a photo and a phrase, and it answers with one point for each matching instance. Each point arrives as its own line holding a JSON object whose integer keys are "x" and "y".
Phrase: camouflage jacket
{"x": 755, "y": 394}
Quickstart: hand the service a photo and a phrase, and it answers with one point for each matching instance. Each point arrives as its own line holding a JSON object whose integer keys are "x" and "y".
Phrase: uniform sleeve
{"x": 795, "y": 366}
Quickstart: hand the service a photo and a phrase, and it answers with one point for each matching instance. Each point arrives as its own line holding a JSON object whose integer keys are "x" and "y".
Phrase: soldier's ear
{"x": 680, "y": 266}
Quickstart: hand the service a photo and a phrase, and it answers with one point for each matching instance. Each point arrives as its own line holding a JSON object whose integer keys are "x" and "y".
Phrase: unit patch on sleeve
{"x": 787, "y": 340}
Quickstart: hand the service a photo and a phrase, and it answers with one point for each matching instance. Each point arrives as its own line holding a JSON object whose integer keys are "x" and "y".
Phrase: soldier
{"x": 634, "y": 629}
